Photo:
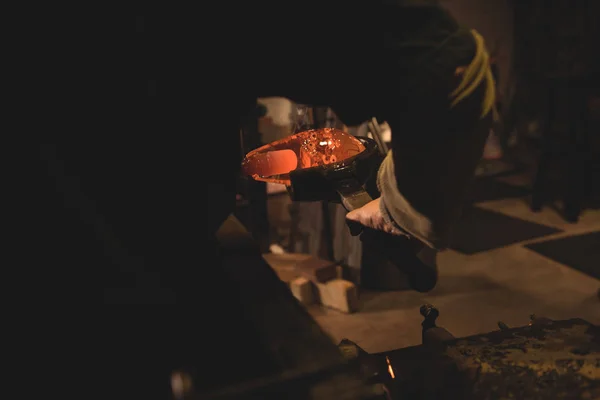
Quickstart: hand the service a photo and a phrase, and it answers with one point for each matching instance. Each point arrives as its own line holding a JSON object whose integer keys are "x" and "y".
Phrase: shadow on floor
{"x": 486, "y": 189}
{"x": 482, "y": 230}
{"x": 447, "y": 286}
{"x": 580, "y": 252}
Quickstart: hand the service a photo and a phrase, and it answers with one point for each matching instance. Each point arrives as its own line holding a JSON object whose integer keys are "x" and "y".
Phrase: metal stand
{"x": 319, "y": 120}
{"x": 252, "y": 209}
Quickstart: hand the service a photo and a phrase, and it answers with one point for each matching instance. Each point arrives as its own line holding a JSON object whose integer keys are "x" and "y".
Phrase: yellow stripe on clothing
{"x": 473, "y": 75}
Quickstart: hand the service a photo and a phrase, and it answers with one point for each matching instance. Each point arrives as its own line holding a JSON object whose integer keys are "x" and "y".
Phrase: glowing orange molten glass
{"x": 273, "y": 162}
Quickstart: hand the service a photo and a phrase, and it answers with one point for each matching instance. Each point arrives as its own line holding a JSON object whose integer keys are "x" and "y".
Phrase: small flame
{"x": 323, "y": 143}
{"x": 390, "y": 369}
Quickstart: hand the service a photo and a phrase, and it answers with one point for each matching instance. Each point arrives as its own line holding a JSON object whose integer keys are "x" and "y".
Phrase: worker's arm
{"x": 403, "y": 69}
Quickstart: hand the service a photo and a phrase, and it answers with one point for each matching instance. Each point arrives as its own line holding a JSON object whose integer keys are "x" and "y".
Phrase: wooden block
{"x": 303, "y": 290}
{"x": 338, "y": 294}
{"x": 317, "y": 269}
{"x": 284, "y": 264}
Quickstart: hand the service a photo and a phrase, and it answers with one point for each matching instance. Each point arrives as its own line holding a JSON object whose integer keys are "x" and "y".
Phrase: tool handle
{"x": 353, "y": 197}
{"x": 399, "y": 250}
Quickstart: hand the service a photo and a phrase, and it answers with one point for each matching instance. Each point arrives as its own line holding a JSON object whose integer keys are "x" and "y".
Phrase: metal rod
{"x": 327, "y": 230}
{"x": 376, "y": 132}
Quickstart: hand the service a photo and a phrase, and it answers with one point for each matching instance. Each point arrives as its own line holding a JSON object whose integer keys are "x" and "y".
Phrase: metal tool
{"x": 433, "y": 335}
{"x": 354, "y": 184}
{"x": 375, "y": 130}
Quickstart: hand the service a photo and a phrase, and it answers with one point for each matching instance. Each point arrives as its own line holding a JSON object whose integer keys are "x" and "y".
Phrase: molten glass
{"x": 274, "y": 162}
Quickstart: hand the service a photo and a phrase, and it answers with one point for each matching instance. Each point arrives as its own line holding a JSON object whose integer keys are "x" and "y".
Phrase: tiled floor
{"x": 476, "y": 291}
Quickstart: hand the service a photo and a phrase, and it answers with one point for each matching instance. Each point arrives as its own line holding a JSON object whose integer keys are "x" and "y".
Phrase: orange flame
{"x": 390, "y": 369}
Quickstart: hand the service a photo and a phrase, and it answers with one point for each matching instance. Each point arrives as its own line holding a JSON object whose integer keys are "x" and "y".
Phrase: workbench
{"x": 546, "y": 360}
{"x": 278, "y": 351}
